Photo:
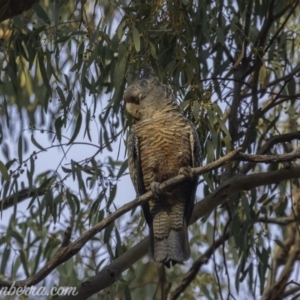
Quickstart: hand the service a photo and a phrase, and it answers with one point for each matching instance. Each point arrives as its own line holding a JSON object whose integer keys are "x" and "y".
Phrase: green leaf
{"x": 50, "y": 203}
{"x": 136, "y": 39}
{"x": 153, "y": 51}
{"x": 220, "y": 35}
{"x": 1, "y": 134}
{"x": 106, "y": 140}
{"x": 120, "y": 71}
{"x": 196, "y": 110}
{"x": 37, "y": 258}
{"x": 12, "y": 75}
{"x": 62, "y": 39}
{"x": 43, "y": 71}
{"x": 3, "y": 170}
{"x": 119, "y": 243}
{"x": 291, "y": 86}
{"x": 77, "y": 128}
{"x": 122, "y": 169}
{"x": 73, "y": 202}
{"x": 35, "y": 143}
{"x": 47, "y": 183}
{"x": 112, "y": 195}
{"x": 17, "y": 236}
{"x": 4, "y": 259}
{"x": 20, "y": 149}
{"x": 127, "y": 293}
{"x": 280, "y": 244}
{"x": 61, "y": 96}
{"x": 107, "y": 232}
{"x": 87, "y": 130}
{"x": 41, "y": 13}
{"x": 59, "y": 122}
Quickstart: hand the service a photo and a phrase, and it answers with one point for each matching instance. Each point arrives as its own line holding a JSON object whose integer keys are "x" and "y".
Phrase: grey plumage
{"x": 162, "y": 142}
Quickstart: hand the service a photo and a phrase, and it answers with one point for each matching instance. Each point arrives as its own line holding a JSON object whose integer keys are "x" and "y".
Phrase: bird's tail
{"x": 175, "y": 248}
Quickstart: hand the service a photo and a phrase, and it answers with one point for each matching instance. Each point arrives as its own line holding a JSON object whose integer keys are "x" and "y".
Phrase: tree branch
{"x": 26, "y": 193}
{"x": 260, "y": 49}
{"x": 285, "y": 78}
{"x": 109, "y": 274}
{"x": 291, "y": 292}
{"x": 269, "y": 158}
{"x": 238, "y": 183}
{"x": 203, "y": 259}
{"x": 20, "y": 197}
{"x": 282, "y": 138}
{"x": 282, "y": 254}
{"x": 276, "y": 291}
{"x": 193, "y": 271}
{"x": 65, "y": 253}
{"x": 279, "y": 15}
{"x": 278, "y": 221}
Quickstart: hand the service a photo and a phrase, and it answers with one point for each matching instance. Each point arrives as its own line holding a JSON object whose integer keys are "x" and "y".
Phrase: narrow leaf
{"x": 241, "y": 56}
{"x": 3, "y": 170}
{"x": 41, "y": 13}
{"x": 136, "y": 39}
{"x": 77, "y": 128}
{"x": 35, "y": 143}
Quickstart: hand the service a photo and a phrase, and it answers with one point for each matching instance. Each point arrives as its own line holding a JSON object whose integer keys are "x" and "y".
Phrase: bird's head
{"x": 144, "y": 97}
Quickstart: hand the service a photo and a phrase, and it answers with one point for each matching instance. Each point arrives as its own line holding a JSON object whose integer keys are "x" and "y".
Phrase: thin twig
{"x": 193, "y": 271}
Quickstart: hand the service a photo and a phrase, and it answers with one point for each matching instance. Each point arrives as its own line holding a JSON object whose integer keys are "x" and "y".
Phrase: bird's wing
{"x": 135, "y": 170}
{"x": 196, "y": 162}
{"x": 195, "y": 146}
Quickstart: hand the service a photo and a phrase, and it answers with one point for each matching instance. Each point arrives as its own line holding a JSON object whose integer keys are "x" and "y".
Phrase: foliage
{"x": 234, "y": 66}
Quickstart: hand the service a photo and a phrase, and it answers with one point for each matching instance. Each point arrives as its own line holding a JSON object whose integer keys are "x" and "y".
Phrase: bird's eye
{"x": 133, "y": 99}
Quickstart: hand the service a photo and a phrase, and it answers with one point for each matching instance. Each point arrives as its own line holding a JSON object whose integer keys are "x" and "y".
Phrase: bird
{"x": 162, "y": 143}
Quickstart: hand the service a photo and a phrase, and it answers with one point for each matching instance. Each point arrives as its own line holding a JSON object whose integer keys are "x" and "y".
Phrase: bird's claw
{"x": 186, "y": 171}
{"x": 154, "y": 186}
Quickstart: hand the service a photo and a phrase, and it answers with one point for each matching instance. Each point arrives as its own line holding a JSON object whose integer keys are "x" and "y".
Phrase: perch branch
{"x": 66, "y": 252}
{"x": 229, "y": 187}
{"x": 110, "y": 273}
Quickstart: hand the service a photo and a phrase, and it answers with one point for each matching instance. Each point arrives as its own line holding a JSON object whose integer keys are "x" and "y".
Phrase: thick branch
{"x": 277, "y": 290}
{"x": 269, "y": 158}
{"x": 236, "y": 184}
{"x": 278, "y": 221}
{"x": 291, "y": 292}
{"x": 20, "y": 197}
{"x": 65, "y": 253}
{"x": 282, "y": 138}
{"x": 26, "y": 193}
{"x": 111, "y": 272}
{"x": 241, "y": 183}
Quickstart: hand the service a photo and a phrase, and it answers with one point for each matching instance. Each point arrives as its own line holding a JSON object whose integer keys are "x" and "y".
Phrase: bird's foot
{"x": 154, "y": 186}
{"x": 187, "y": 172}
